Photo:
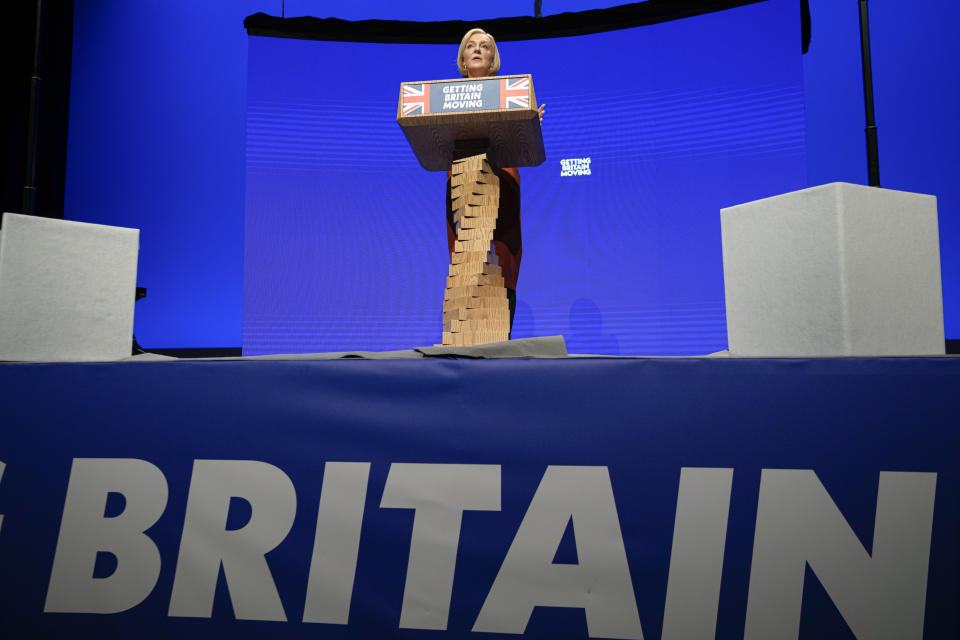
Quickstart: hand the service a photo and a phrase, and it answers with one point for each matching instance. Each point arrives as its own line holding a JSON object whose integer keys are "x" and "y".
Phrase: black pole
{"x": 30, "y": 175}
{"x": 873, "y": 161}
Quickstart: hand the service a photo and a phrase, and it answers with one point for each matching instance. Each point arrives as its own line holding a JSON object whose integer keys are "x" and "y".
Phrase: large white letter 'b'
{"x": 84, "y": 531}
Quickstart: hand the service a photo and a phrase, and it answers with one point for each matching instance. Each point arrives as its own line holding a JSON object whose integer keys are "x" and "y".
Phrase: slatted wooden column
{"x": 475, "y": 306}
{"x": 471, "y": 123}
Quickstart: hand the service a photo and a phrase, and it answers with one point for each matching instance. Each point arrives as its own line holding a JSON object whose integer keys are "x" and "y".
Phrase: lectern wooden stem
{"x": 475, "y": 305}
{"x": 498, "y": 121}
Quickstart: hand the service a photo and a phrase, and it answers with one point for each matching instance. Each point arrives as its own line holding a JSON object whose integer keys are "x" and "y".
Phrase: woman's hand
{"x": 540, "y": 112}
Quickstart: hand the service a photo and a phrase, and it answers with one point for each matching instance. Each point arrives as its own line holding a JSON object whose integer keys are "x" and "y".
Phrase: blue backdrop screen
{"x": 345, "y": 242}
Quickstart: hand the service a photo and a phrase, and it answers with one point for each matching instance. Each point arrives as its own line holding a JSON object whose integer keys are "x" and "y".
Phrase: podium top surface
{"x": 499, "y": 112}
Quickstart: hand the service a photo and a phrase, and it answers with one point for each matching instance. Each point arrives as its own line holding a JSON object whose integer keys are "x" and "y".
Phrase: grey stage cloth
{"x": 546, "y": 347}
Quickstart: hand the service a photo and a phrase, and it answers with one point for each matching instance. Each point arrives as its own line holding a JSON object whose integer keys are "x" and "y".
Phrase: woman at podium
{"x": 478, "y": 57}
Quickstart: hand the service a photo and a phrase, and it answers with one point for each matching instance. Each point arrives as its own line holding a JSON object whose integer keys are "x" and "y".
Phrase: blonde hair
{"x": 494, "y": 63}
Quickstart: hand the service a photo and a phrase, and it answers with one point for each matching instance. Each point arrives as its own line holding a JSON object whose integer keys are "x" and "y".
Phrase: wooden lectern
{"x": 470, "y": 126}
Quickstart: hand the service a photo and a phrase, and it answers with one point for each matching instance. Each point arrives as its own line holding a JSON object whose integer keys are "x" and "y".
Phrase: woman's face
{"x": 478, "y": 56}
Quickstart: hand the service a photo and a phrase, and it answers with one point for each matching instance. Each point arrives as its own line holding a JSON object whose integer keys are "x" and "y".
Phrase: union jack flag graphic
{"x": 514, "y": 93}
{"x": 416, "y": 99}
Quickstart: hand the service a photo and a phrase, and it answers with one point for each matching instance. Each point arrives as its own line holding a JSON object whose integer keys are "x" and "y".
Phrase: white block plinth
{"x": 66, "y": 289}
{"x": 835, "y": 270}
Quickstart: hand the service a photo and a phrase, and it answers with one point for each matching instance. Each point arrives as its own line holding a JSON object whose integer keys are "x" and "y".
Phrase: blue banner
{"x": 573, "y": 498}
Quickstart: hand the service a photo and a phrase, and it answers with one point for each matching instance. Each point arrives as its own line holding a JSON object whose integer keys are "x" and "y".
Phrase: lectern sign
{"x": 499, "y": 110}
{"x": 473, "y": 94}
